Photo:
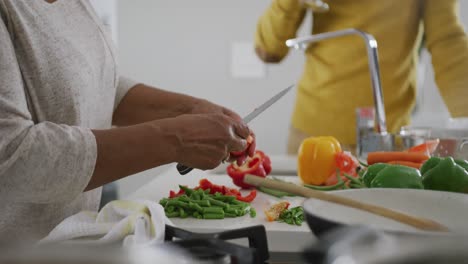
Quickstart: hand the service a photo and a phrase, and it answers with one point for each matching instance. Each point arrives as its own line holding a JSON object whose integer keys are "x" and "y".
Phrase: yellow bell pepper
{"x": 316, "y": 159}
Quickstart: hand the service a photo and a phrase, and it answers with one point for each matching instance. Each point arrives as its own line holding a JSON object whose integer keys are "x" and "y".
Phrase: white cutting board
{"x": 281, "y": 236}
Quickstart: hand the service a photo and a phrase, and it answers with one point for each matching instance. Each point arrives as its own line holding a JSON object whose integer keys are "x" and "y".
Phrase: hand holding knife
{"x": 184, "y": 169}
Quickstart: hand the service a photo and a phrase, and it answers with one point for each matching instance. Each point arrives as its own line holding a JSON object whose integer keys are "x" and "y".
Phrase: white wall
{"x": 185, "y": 46}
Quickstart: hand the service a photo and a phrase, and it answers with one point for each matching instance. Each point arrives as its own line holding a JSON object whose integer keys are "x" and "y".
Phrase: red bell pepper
{"x": 206, "y": 184}
{"x": 258, "y": 165}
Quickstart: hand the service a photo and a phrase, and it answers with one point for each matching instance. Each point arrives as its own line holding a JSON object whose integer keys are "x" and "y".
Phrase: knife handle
{"x": 183, "y": 169}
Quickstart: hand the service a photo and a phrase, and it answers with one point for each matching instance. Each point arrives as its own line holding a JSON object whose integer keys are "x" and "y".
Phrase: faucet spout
{"x": 371, "y": 46}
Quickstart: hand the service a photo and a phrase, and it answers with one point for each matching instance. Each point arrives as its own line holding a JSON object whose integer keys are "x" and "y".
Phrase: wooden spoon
{"x": 420, "y": 223}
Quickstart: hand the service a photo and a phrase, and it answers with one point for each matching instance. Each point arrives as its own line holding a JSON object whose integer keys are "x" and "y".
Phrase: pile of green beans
{"x": 293, "y": 216}
{"x": 201, "y": 204}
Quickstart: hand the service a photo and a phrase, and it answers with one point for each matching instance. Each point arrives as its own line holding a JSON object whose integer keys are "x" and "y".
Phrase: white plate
{"x": 449, "y": 209}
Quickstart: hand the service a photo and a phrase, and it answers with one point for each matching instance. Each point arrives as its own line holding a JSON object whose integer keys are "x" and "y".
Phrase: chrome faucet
{"x": 371, "y": 45}
{"x": 380, "y": 139}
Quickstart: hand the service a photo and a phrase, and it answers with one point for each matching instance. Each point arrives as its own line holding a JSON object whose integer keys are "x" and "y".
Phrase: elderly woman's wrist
{"x": 165, "y": 141}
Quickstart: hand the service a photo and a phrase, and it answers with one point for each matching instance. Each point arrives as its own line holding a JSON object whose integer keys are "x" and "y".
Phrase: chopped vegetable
{"x": 212, "y": 188}
{"x": 258, "y": 165}
{"x": 387, "y": 156}
{"x": 445, "y": 174}
{"x": 253, "y": 213}
{"x": 273, "y": 213}
{"x": 427, "y": 147}
{"x": 236, "y": 154}
{"x": 198, "y": 204}
{"x": 293, "y": 216}
{"x": 316, "y": 159}
{"x": 382, "y": 175}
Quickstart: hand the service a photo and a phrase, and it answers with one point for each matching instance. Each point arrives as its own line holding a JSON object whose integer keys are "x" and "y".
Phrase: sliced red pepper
{"x": 173, "y": 194}
{"x": 236, "y": 154}
{"x": 206, "y": 184}
{"x": 248, "y": 198}
{"x": 258, "y": 165}
{"x": 345, "y": 162}
{"x": 266, "y": 164}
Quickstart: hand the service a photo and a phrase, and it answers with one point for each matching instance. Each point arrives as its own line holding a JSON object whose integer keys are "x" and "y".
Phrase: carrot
{"x": 386, "y": 156}
{"x": 416, "y": 165}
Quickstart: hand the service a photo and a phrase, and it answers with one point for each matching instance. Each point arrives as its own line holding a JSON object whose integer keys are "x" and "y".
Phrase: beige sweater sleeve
{"x": 39, "y": 162}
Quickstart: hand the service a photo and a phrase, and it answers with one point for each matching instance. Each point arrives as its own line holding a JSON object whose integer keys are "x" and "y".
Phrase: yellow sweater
{"x": 336, "y": 77}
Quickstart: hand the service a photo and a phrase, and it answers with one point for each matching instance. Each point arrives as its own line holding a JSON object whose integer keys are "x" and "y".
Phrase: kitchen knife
{"x": 184, "y": 169}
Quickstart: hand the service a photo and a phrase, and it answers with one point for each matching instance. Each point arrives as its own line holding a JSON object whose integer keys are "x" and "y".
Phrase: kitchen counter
{"x": 281, "y": 236}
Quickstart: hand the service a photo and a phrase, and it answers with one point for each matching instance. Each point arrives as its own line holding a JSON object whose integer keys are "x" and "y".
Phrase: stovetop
{"x": 219, "y": 248}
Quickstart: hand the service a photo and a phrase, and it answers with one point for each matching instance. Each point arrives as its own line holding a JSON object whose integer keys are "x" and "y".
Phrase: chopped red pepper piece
{"x": 173, "y": 194}
{"x": 258, "y": 165}
{"x": 345, "y": 163}
{"x": 205, "y": 184}
{"x": 248, "y": 198}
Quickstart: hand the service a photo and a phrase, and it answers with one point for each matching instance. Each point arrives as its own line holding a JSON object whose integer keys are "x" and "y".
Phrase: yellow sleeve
{"x": 448, "y": 45}
{"x": 278, "y": 24}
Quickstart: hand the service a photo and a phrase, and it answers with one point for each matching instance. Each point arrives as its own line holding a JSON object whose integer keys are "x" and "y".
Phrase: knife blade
{"x": 251, "y": 116}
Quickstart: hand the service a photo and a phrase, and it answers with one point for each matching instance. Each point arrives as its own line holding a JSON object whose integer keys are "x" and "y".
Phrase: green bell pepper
{"x": 371, "y": 172}
{"x": 445, "y": 174}
{"x": 383, "y": 175}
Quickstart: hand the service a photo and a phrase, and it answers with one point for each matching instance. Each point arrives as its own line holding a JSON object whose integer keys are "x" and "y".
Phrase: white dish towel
{"x": 134, "y": 222}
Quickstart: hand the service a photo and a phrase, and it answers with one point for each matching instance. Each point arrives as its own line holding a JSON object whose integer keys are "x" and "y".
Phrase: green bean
{"x": 172, "y": 214}
{"x": 253, "y": 213}
{"x": 182, "y": 213}
{"x": 195, "y": 207}
{"x": 218, "y": 203}
{"x": 243, "y": 204}
{"x": 177, "y": 203}
{"x": 187, "y": 190}
{"x": 352, "y": 179}
{"x": 163, "y": 201}
{"x": 292, "y": 216}
{"x": 325, "y": 188}
{"x": 213, "y": 216}
{"x": 169, "y": 209}
{"x": 204, "y": 203}
{"x": 183, "y": 198}
{"x": 237, "y": 207}
{"x": 230, "y": 215}
{"x": 231, "y": 211}
{"x": 212, "y": 210}
{"x": 224, "y": 198}
{"x": 195, "y": 196}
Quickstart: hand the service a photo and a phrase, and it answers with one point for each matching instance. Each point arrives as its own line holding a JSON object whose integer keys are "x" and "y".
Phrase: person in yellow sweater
{"x": 336, "y": 78}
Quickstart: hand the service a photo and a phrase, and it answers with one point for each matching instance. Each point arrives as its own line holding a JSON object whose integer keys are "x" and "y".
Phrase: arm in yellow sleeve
{"x": 448, "y": 44}
{"x": 278, "y": 24}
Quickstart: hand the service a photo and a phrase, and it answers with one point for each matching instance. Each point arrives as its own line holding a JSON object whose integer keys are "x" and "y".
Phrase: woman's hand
{"x": 205, "y": 140}
{"x": 207, "y": 107}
